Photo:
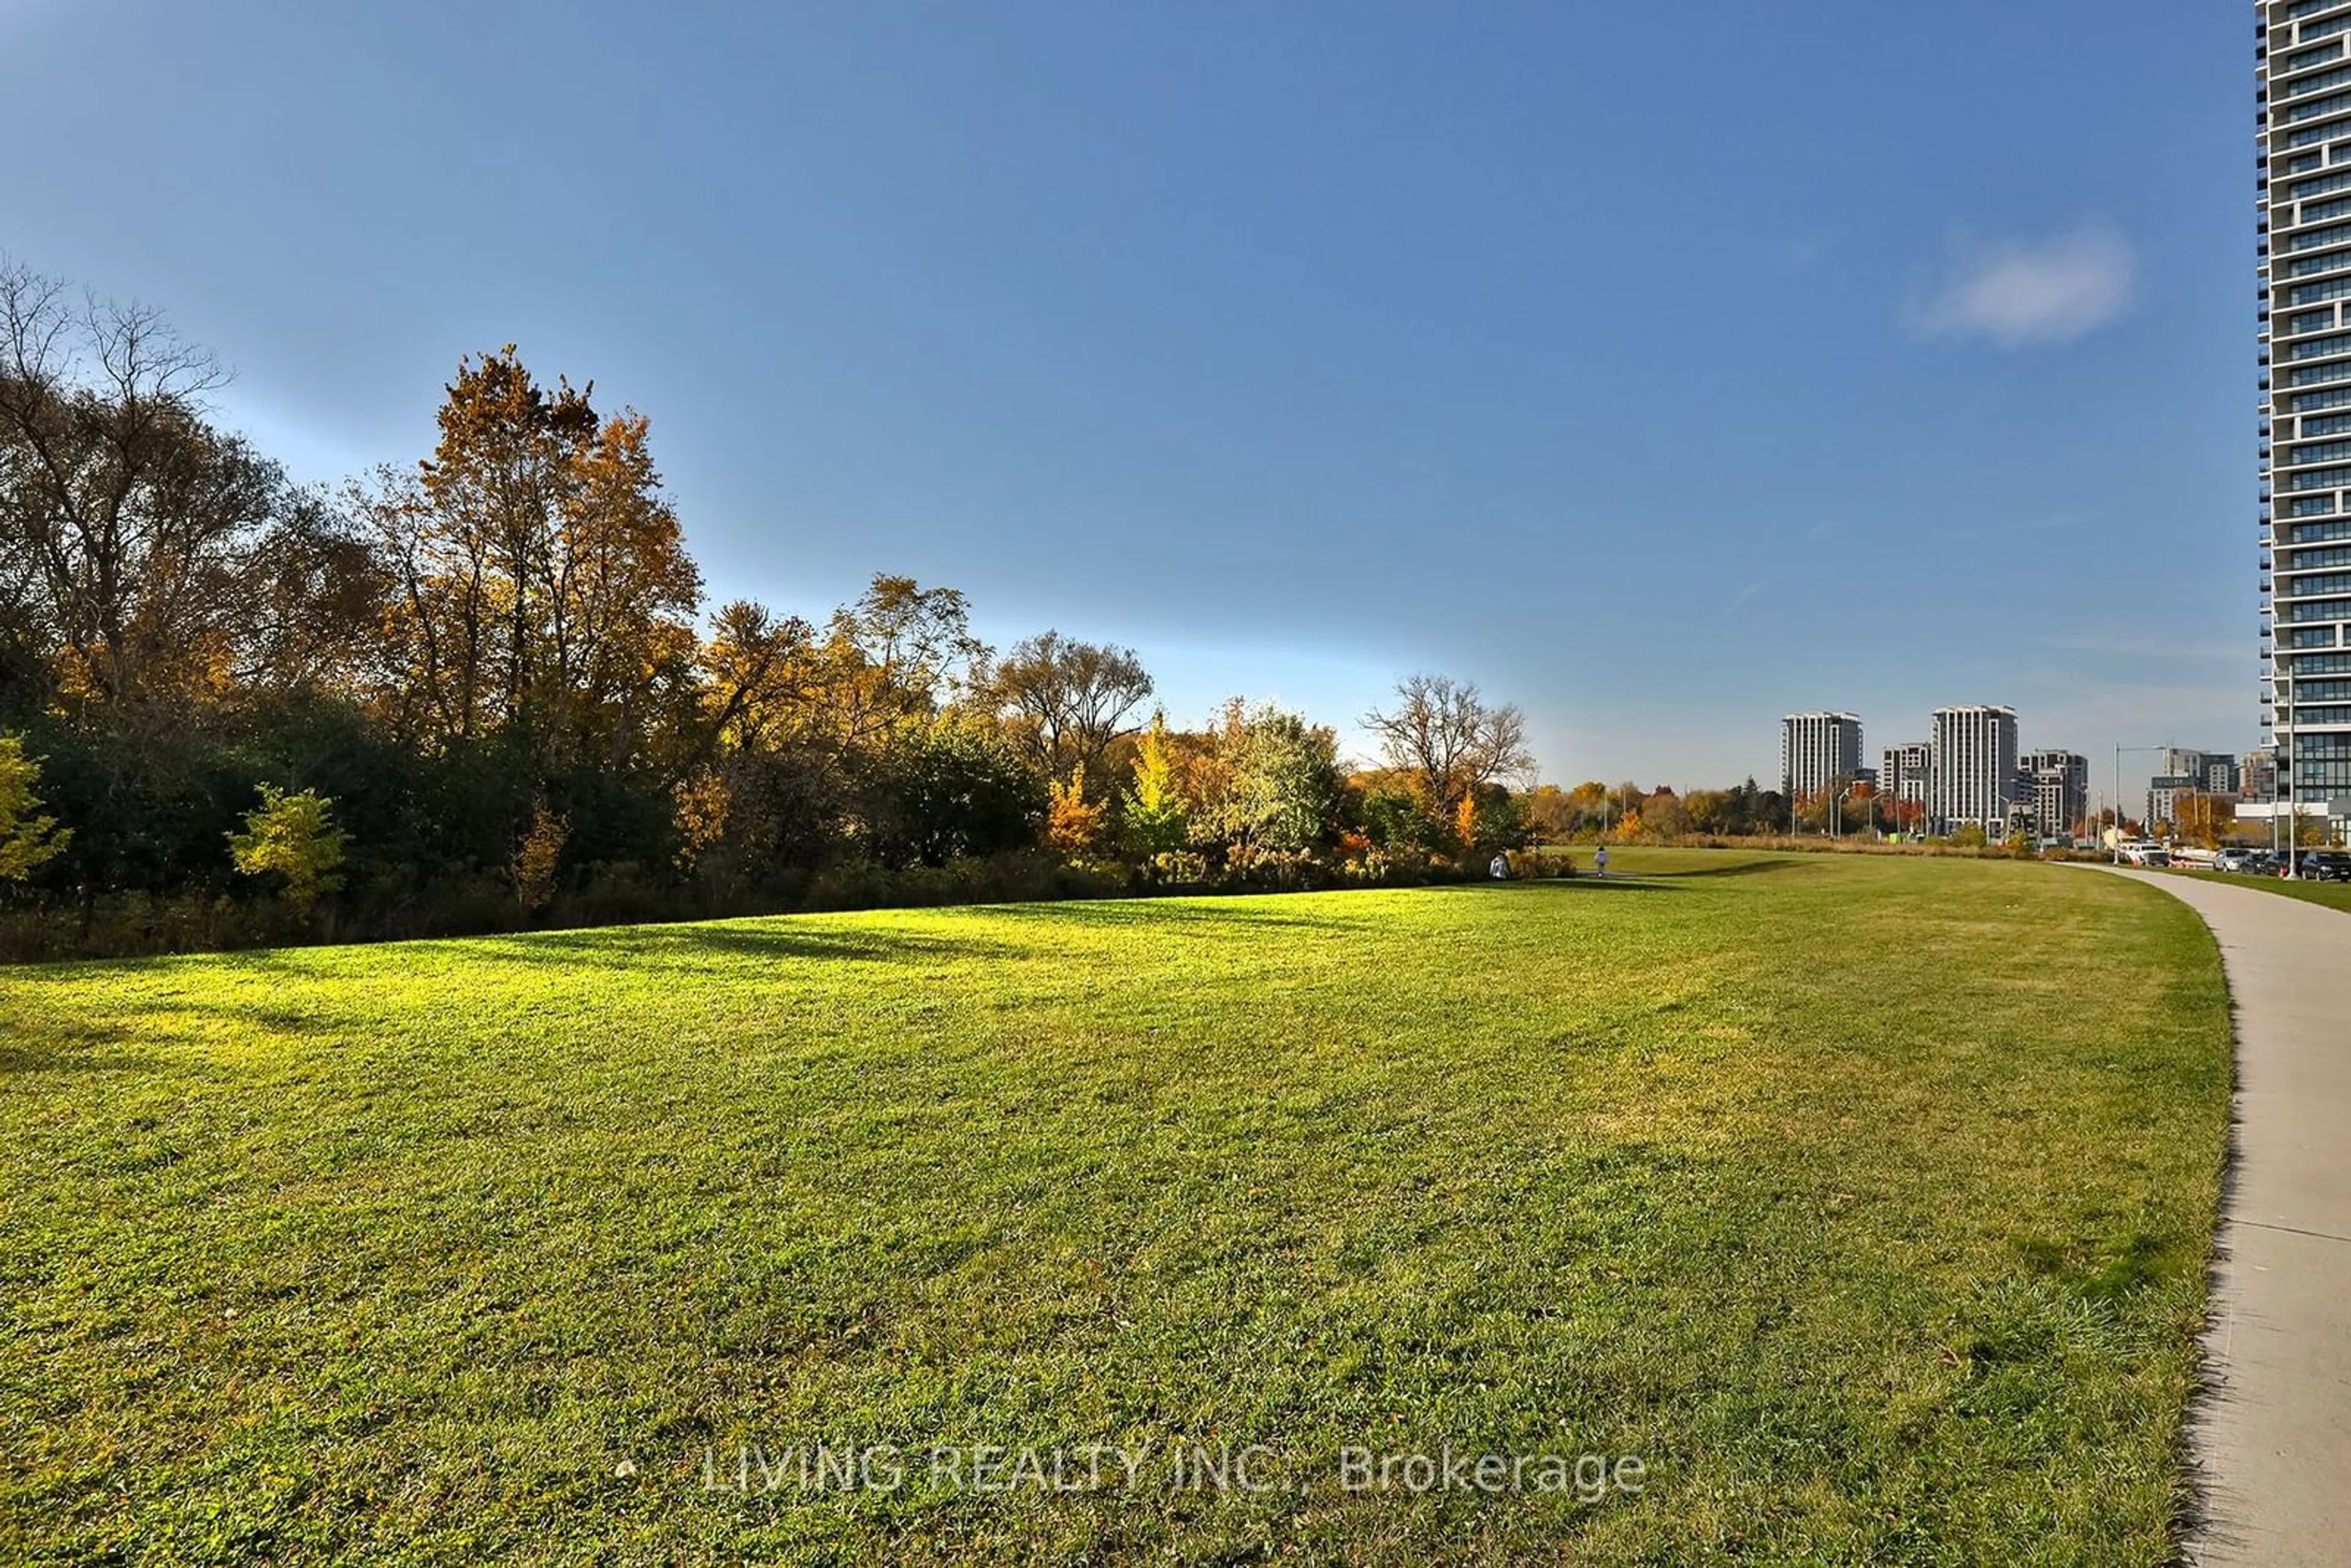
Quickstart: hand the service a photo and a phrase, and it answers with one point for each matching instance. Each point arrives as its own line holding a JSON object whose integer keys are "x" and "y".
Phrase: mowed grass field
{"x": 1864, "y": 1201}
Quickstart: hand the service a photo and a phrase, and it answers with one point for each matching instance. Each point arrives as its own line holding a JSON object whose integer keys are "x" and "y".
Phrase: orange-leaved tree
{"x": 1074, "y": 824}
{"x": 542, "y": 588}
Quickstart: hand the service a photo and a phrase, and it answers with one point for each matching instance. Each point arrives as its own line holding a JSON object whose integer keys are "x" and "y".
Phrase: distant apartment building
{"x": 1905, "y": 772}
{"x": 2056, "y": 786}
{"x": 2163, "y": 793}
{"x": 2181, "y": 771}
{"x": 1973, "y": 773}
{"x": 1818, "y": 748}
{"x": 2212, "y": 772}
{"x": 2257, "y": 775}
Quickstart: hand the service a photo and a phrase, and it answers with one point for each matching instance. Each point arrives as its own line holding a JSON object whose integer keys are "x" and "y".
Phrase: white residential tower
{"x": 1975, "y": 778}
{"x": 1818, "y": 748}
{"x": 2303, "y": 128}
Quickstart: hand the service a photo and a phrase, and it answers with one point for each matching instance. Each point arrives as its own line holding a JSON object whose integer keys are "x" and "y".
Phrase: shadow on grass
{"x": 1615, "y": 881}
{"x": 728, "y": 945}
{"x": 1187, "y": 909}
{"x": 84, "y": 1054}
{"x": 1743, "y": 868}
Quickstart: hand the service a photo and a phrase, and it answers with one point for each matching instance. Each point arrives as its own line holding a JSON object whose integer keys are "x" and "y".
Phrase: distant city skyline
{"x": 1975, "y": 768}
{"x": 1298, "y": 366}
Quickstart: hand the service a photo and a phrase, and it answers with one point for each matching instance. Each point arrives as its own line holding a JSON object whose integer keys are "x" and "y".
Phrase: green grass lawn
{"x": 2334, "y": 894}
{"x": 1864, "y": 1201}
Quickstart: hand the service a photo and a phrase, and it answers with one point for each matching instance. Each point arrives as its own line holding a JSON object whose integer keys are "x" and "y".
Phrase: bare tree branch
{"x": 1444, "y": 737}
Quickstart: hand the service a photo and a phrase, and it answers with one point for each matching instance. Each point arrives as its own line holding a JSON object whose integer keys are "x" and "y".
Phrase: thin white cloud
{"x": 2017, "y": 293}
{"x": 1744, "y": 594}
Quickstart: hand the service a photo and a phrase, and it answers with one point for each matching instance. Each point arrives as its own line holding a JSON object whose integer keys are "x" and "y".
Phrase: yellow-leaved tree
{"x": 700, "y": 803}
{"x": 2202, "y": 819}
{"x": 539, "y": 857}
{"x": 292, "y": 837}
{"x": 26, "y": 840}
{"x": 1155, "y": 821}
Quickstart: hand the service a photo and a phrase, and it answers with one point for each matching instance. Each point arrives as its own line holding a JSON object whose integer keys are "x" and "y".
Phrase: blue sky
{"x": 1663, "y": 369}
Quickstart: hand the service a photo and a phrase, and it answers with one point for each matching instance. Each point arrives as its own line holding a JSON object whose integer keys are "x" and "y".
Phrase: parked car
{"x": 2321, "y": 865}
{"x": 2148, "y": 854}
{"x": 2243, "y": 861}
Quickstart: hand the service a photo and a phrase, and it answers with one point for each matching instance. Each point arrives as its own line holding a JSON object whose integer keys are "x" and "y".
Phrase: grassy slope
{"x": 1864, "y": 1198}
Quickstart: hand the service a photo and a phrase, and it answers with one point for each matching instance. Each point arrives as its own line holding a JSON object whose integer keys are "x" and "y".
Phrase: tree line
{"x": 485, "y": 688}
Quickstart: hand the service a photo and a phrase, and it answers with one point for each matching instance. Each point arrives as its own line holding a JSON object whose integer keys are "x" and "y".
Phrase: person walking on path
{"x": 1600, "y": 860}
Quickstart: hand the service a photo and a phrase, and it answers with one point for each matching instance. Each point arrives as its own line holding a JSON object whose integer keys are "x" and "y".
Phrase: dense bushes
{"x": 134, "y": 924}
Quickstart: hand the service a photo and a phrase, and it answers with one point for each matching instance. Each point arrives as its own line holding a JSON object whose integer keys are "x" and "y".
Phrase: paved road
{"x": 2273, "y": 1439}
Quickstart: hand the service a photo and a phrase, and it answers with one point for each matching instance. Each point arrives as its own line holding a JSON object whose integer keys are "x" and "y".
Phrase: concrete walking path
{"x": 2271, "y": 1433}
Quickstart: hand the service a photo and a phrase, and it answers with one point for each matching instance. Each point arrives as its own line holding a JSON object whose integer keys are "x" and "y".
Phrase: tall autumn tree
{"x": 1065, "y": 701}
{"x": 497, "y": 493}
{"x": 622, "y": 592}
{"x": 756, "y": 675}
{"x": 1588, "y": 804}
{"x": 900, "y": 655}
{"x": 542, "y": 589}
